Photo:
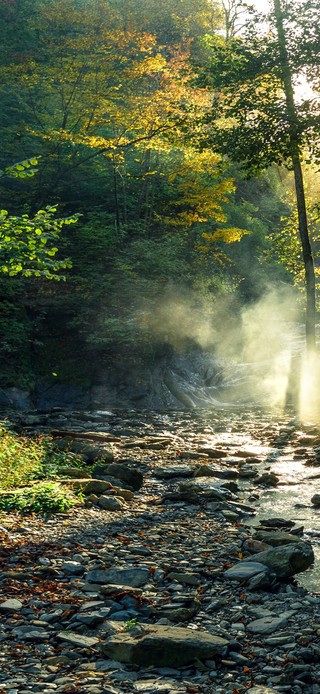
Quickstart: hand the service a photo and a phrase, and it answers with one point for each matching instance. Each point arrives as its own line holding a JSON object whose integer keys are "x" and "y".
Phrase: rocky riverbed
{"x": 167, "y": 579}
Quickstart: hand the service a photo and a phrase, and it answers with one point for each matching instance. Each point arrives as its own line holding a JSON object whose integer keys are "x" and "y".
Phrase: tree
{"x": 28, "y": 244}
{"x": 255, "y": 117}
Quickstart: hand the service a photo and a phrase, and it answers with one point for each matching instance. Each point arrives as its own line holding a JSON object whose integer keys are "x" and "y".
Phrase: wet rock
{"x": 276, "y": 539}
{"x": 315, "y": 500}
{"x": 277, "y": 523}
{"x": 288, "y": 560}
{"x": 208, "y": 471}
{"x": 205, "y": 487}
{"x": 167, "y": 473}
{"x": 159, "y": 646}
{"x": 267, "y": 479}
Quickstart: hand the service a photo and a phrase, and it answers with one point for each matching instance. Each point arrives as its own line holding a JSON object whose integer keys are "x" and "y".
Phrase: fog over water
{"x": 260, "y": 347}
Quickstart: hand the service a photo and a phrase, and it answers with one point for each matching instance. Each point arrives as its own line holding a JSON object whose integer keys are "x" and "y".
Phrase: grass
{"x": 34, "y": 462}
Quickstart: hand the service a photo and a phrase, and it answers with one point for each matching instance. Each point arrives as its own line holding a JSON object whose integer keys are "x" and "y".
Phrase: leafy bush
{"x": 23, "y": 459}
{"x": 44, "y": 497}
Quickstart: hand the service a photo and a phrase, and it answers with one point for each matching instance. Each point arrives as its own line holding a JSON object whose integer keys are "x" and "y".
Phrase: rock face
{"x": 287, "y": 560}
{"x": 164, "y": 646}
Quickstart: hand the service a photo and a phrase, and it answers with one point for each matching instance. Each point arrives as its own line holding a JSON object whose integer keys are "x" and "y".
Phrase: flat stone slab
{"x": 11, "y": 605}
{"x": 266, "y": 625}
{"x": 263, "y": 690}
{"x": 245, "y": 570}
{"x": 133, "y": 577}
{"x": 163, "y": 646}
{"x": 78, "y": 639}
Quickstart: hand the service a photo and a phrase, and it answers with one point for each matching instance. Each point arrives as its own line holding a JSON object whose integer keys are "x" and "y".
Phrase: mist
{"x": 259, "y": 347}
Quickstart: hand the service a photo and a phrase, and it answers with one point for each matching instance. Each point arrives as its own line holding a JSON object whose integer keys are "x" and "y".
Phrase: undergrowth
{"x": 25, "y": 460}
{"x": 44, "y": 497}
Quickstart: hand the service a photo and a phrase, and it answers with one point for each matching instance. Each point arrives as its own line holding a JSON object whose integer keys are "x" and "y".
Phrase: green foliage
{"x": 23, "y": 169}
{"x": 27, "y": 245}
{"x": 20, "y": 459}
{"x": 23, "y": 459}
{"x": 44, "y": 497}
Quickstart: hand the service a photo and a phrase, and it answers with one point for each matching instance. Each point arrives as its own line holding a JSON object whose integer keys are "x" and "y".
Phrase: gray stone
{"x": 315, "y": 500}
{"x": 133, "y": 576}
{"x": 73, "y": 568}
{"x": 266, "y": 625}
{"x": 245, "y": 570}
{"x": 160, "y": 645}
{"x": 287, "y": 560}
{"x": 110, "y": 503}
{"x": 206, "y": 488}
{"x": 97, "y": 486}
{"x": 276, "y": 538}
{"x": 126, "y": 473}
{"x": 263, "y": 690}
{"x": 92, "y": 618}
{"x": 78, "y": 639}
{"x": 11, "y": 605}
{"x": 191, "y": 579}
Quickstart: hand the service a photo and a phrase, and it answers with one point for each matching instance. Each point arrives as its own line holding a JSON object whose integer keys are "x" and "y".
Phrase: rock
{"x": 245, "y": 570}
{"x": 133, "y": 577}
{"x": 277, "y": 523}
{"x": 110, "y": 503}
{"x": 191, "y": 579}
{"x": 11, "y": 605}
{"x": 208, "y": 471}
{"x": 287, "y": 560}
{"x": 166, "y": 646}
{"x": 74, "y": 568}
{"x": 74, "y": 472}
{"x": 167, "y": 473}
{"x": 315, "y": 500}
{"x": 78, "y": 639}
{"x": 266, "y": 625}
{"x": 268, "y": 479}
{"x": 204, "y": 486}
{"x": 125, "y": 494}
{"x": 97, "y": 487}
{"x": 213, "y": 452}
{"x": 126, "y": 473}
{"x": 276, "y": 539}
{"x": 263, "y": 690}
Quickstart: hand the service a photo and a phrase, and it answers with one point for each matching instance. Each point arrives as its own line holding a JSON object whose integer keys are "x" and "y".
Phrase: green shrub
{"x": 20, "y": 459}
{"x": 44, "y": 497}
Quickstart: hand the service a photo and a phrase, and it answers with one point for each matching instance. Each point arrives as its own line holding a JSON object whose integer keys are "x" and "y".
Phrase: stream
{"x": 254, "y": 441}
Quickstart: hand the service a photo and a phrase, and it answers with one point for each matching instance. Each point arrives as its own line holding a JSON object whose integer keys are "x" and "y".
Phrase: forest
{"x": 153, "y": 155}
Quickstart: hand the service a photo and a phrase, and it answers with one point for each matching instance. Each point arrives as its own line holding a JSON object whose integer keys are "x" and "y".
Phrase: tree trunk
{"x": 310, "y": 284}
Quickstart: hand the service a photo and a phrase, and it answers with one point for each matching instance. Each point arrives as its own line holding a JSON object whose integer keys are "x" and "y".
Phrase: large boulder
{"x": 164, "y": 646}
{"x": 287, "y": 560}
